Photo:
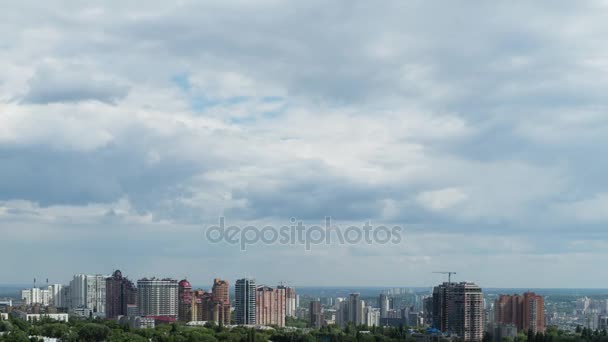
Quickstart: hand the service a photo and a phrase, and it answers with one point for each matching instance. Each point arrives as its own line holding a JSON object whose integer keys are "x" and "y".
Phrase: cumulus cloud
{"x": 72, "y": 85}
{"x": 477, "y": 126}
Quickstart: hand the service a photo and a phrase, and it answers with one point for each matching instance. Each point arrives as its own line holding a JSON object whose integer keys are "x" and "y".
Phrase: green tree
{"x": 93, "y": 332}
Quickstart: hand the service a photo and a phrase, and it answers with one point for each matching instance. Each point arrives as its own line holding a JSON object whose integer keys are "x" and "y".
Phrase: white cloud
{"x": 442, "y": 199}
{"x": 174, "y": 113}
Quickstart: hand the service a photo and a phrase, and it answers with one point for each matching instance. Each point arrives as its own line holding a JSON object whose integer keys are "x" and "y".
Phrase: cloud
{"x": 478, "y": 128}
{"x": 72, "y": 84}
{"x": 442, "y": 199}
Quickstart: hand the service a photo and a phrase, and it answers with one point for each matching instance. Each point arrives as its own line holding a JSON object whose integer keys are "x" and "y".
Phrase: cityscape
{"x": 303, "y": 171}
{"x": 449, "y": 311}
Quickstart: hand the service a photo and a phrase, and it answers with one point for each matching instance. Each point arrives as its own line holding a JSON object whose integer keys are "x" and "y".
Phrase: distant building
{"x": 602, "y": 322}
{"x": 56, "y": 293}
{"x": 315, "y": 314}
{"x": 342, "y": 313}
{"x": 5, "y": 304}
{"x": 414, "y": 319}
{"x": 132, "y": 310}
{"x": 355, "y": 309}
{"x": 427, "y": 309}
{"x": 185, "y": 296}
{"x": 383, "y": 304}
{"x": 36, "y": 296}
{"x": 351, "y": 310}
{"x": 526, "y": 312}
{"x": 458, "y": 308}
{"x": 221, "y": 291}
{"x": 137, "y": 322}
{"x": 209, "y": 308}
{"x": 371, "y": 316}
{"x": 120, "y": 293}
{"x": 245, "y": 301}
{"x": 157, "y": 297}
{"x": 63, "y": 317}
{"x": 290, "y": 301}
{"x": 89, "y": 292}
{"x": 50, "y": 295}
{"x": 270, "y": 306}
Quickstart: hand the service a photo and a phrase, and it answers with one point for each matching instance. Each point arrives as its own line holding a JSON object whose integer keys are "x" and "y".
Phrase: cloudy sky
{"x": 479, "y": 127}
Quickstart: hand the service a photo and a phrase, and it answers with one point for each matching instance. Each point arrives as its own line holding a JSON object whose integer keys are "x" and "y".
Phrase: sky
{"x": 478, "y": 127}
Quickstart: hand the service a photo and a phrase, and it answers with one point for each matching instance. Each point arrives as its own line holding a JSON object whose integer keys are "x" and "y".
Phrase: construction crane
{"x": 449, "y": 273}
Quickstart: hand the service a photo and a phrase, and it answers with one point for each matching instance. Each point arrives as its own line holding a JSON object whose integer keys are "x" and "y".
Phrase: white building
{"x": 372, "y": 316}
{"x": 62, "y": 317}
{"x": 290, "y": 301}
{"x": 157, "y": 297}
{"x": 36, "y": 296}
{"x": 88, "y": 291}
{"x": 3, "y": 316}
{"x": 137, "y": 322}
{"x": 56, "y": 295}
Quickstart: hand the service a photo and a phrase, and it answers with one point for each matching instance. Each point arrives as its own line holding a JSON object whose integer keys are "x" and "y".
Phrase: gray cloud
{"x": 68, "y": 85}
{"x": 484, "y": 121}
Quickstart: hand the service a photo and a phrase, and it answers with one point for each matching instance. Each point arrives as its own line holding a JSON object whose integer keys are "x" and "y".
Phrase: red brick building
{"x": 526, "y": 312}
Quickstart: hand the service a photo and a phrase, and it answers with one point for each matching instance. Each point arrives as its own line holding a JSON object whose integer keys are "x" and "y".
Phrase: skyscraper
{"x": 56, "y": 294}
{"x": 458, "y": 308}
{"x": 157, "y": 297}
{"x": 526, "y": 312}
{"x": 89, "y": 292}
{"x": 270, "y": 306}
{"x": 120, "y": 293}
{"x": 245, "y": 297}
{"x": 355, "y": 309}
{"x": 184, "y": 293}
{"x": 221, "y": 291}
{"x": 383, "y": 303}
{"x": 211, "y": 308}
{"x": 290, "y": 300}
{"x": 315, "y": 314}
{"x": 342, "y": 313}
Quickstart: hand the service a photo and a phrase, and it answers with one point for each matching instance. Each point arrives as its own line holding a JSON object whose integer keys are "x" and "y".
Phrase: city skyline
{"x": 457, "y": 308}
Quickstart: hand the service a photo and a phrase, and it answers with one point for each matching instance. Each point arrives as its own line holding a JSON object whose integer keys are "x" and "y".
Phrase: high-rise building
{"x": 602, "y": 322}
{"x": 315, "y": 314}
{"x": 211, "y": 308}
{"x": 197, "y": 309}
{"x": 355, "y": 309}
{"x": 221, "y": 291}
{"x": 35, "y": 296}
{"x": 270, "y": 306}
{"x": 88, "y": 292}
{"x": 157, "y": 297}
{"x": 290, "y": 301}
{"x": 56, "y": 296}
{"x": 66, "y": 297}
{"x": 342, "y": 313}
{"x": 120, "y": 293}
{"x": 245, "y": 301}
{"x": 383, "y": 303}
{"x": 185, "y": 295}
{"x": 371, "y": 316}
{"x": 427, "y": 308}
{"x": 50, "y": 296}
{"x": 526, "y": 312}
{"x": 458, "y": 308}
{"x": 351, "y": 310}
